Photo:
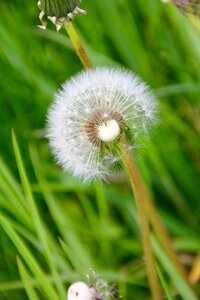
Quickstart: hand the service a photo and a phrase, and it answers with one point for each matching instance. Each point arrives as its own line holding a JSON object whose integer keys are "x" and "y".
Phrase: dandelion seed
{"x": 89, "y": 115}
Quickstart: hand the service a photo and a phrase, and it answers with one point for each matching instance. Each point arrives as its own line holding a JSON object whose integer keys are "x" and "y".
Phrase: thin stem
{"x": 162, "y": 233}
{"x": 156, "y": 222}
{"x": 78, "y": 46}
{"x": 138, "y": 189}
{"x": 194, "y": 275}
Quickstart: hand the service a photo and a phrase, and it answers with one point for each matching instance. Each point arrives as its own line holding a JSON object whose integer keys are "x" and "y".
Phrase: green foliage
{"x": 58, "y": 227}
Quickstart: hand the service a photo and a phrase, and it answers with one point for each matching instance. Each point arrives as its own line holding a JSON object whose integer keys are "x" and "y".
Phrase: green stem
{"x": 138, "y": 190}
{"x": 78, "y": 46}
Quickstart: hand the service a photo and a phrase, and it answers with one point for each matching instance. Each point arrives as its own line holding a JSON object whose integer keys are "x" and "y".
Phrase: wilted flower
{"x": 89, "y": 115}
{"x": 98, "y": 289}
{"x": 59, "y": 12}
{"x": 101, "y": 289}
{"x": 189, "y": 6}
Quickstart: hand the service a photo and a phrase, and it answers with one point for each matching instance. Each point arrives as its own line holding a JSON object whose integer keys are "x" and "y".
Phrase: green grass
{"x": 55, "y": 228}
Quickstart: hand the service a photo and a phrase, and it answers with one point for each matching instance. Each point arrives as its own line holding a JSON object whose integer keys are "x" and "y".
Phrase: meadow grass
{"x": 55, "y": 228}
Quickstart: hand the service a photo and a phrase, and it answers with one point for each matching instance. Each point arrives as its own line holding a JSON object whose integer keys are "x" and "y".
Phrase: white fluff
{"x": 98, "y": 89}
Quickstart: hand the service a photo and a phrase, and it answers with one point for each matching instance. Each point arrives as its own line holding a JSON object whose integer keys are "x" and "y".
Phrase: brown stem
{"x": 155, "y": 220}
{"x": 138, "y": 189}
{"x": 162, "y": 233}
{"x": 194, "y": 275}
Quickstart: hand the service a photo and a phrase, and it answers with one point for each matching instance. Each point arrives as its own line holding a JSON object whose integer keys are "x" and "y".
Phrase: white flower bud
{"x": 79, "y": 291}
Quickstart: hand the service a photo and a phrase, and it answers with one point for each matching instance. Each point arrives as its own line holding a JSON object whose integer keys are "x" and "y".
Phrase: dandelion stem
{"x": 194, "y": 275}
{"x": 139, "y": 192}
{"x": 154, "y": 217}
{"x": 162, "y": 233}
{"x": 78, "y": 46}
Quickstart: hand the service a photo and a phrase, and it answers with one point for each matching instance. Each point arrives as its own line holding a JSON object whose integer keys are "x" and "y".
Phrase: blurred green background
{"x": 97, "y": 224}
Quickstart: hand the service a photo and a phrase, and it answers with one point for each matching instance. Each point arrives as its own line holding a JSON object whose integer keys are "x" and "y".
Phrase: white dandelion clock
{"x": 79, "y": 291}
{"x": 89, "y": 115}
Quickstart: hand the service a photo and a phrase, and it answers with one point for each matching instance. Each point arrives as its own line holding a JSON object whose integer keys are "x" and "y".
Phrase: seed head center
{"x": 108, "y": 131}
{"x": 103, "y": 126}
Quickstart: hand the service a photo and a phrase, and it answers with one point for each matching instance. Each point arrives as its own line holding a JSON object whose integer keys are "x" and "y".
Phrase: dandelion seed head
{"x": 90, "y": 113}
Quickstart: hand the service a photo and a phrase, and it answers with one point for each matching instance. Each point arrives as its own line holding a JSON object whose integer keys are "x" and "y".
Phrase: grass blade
{"x": 26, "y": 281}
{"x": 45, "y": 286}
{"x": 181, "y": 285}
{"x": 40, "y": 229}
